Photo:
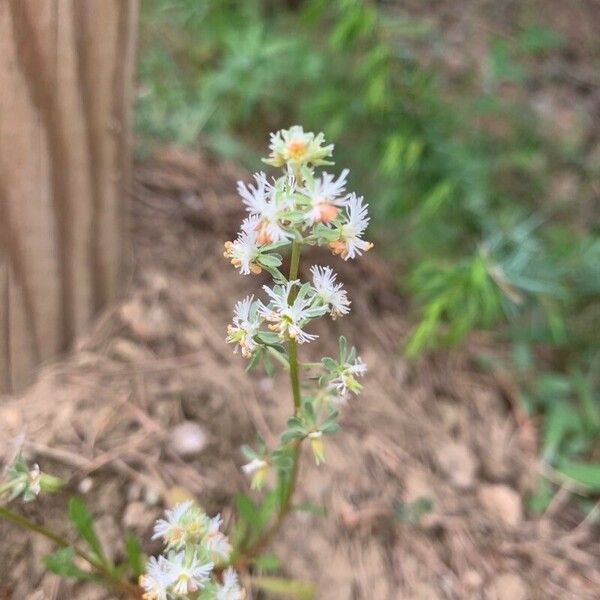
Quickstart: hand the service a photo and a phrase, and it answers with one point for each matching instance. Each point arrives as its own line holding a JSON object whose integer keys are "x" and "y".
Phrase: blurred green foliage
{"x": 460, "y": 184}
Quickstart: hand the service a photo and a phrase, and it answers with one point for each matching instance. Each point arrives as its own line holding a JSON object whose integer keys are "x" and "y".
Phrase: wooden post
{"x": 66, "y": 88}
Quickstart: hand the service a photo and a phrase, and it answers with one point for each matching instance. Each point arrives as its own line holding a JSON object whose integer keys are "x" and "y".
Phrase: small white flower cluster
{"x": 22, "y": 481}
{"x": 194, "y": 544}
{"x": 298, "y": 204}
{"x": 297, "y": 209}
{"x": 341, "y": 375}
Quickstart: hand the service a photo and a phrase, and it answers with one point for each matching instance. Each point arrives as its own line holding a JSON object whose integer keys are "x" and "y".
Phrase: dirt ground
{"x": 152, "y": 404}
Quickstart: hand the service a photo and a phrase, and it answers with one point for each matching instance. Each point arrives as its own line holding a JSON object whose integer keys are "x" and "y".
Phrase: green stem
{"x": 310, "y": 365}
{"x": 294, "y": 378}
{"x": 292, "y": 344}
{"x": 290, "y": 488}
{"x": 113, "y": 580}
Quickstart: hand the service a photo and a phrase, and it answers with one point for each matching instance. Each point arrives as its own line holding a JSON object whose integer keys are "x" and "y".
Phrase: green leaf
{"x": 269, "y": 338}
{"x": 267, "y": 508}
{"x": 589, "y": 406}
{"x": 329, "y": 364}
{"x": 585, "y": 474}
{"x": 275, "y": 273}
{"x": 436, "y": 198}
{"x": 329, "y": 428}
{"x": 325, "y": 234}
{"x": 247, "y": 510}
{"x": 267, "y": 562}
{"x": 61, "y": 562}
{"x": 135, "y": 555}
{"x": 254, "y": 360}
{"x": 309, "y": 411}
{"x": 270, "y": 260}
{"x": 268, "y": 365}
{"x": 540, "y": 500}
{"x": 292, "y": 434}
{"x": 82, "y": 519}
{"x": 311, "y": 508}
{"x": 560, "y": 421}
{"x": 275, "y": 245}
{"x": 284, "y": 588}
{"x": 282, "y": 459}
{"x": 537, "y": 38}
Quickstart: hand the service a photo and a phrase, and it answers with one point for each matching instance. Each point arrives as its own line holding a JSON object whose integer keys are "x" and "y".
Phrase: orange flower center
{"x": 297, "y": 149}
{"x": 339, "y": 248}
{"x": 262, "y": 237}
{"x": 327, "y": 213}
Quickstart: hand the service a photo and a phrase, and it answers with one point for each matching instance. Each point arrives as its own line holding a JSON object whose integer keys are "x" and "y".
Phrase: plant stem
{"x": 292, "y": 344}
{"x": 288, "y": 492}
{"x": 113, "y": 580}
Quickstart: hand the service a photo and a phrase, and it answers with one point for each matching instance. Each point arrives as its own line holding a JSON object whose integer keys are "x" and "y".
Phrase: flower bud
{"x": 317, "y": 446}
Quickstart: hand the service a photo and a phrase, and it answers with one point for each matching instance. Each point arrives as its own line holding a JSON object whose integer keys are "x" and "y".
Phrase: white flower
{"x": 346, "y": 380}
{"x": 172, "y": 529}
{"x": 350, "y": 244}
{"x": 258, "y": 469}
{"x": 255, "y": 197}
{"x": 296, "y": 147}
{"x": 317, "y": 446}
{"x": 330, "y": 292}
{"x": 189, "y": 575}
{"x": 244, "y": 250}
{"x": 34, "y": 479}
{"x": 230, "y": 590}
{"x": 325, "y": 198}
{"x": 183, "y": 524}
{"x": 254, "y": 465}
{"x": 260, "y": 203}
{"x": 22, "y": 480}
{"x": 245, "y": 326}
{"x": 288, "y": 319}
{"x": 215, "y": 541}
{"x": 157, "y": 579}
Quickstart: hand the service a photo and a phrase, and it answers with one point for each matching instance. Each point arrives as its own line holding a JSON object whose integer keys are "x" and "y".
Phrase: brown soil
{"x": 438, "y": 429}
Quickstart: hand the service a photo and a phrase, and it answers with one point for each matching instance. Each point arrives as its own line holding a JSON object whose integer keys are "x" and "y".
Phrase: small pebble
{"x": 508, "y": 586}
{"x": 85, "y": 485}
{"x": 187, "y": 439}
{"x": 502, "y": 502}
{"x": 458, "y": 463}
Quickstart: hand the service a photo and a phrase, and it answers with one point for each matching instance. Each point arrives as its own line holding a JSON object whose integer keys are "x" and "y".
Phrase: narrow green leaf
{"x": 247, "y": 510}
{"x": 135, "y": 555}
{"x": 268, "y": 337}
{"x": 270, "y": 260}
{"x": 589, "y": 405}
{"x": 267, "y": 562}
{"x": 285, "y": 588}
{"x": 329, "y": 428}
{"x": 585, "y": 474}
{"x": 309, "y": 507}
{"x": 60, "y": 562}
{"x": 82, "y": 520}
{"x": 329, "y": 363}
{"x": 559, "y": 422}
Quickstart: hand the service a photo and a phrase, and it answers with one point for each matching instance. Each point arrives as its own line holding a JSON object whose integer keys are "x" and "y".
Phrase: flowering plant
{"x": 194, "y": 544}
{"x": 296, "y": 210}
{"x": 198, "y": 562}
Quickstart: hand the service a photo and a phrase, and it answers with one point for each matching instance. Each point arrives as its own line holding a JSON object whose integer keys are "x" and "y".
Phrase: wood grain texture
{"x": 66, "y": 91}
